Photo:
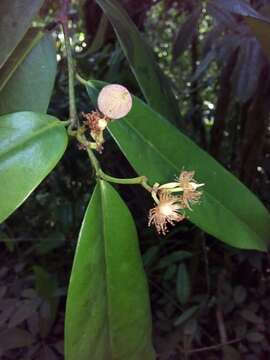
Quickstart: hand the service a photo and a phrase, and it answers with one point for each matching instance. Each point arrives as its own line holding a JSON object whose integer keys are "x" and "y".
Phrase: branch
{"x": 63, "y": 18}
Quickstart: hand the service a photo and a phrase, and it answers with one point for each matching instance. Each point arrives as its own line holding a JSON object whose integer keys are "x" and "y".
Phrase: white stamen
{"x": 166, "y": 209}
{"x": 102, "y": 124}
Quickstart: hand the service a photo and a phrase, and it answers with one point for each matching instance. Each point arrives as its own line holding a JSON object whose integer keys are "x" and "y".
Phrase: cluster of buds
{"x": 96, "y": 123}
{"x": 172, "y": 199}
{"x": 114, "y": 102}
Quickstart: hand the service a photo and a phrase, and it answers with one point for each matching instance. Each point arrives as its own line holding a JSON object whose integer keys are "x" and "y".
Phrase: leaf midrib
{"x": 108, "y": 312}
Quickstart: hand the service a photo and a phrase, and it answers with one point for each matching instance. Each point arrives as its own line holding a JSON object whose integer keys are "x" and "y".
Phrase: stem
{"x": 140, "y": 180}
{"x": 94, "y": 160}
{"x": 82, "y": 139}
{"x": 81, "y": 80}
{"x": 66, "y": 122}
{"x": 71, "y": 75}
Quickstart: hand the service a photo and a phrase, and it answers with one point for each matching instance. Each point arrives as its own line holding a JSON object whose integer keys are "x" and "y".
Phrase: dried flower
{"x": 169, "y": 207}
{"x": 97, "y": 123}
{"x": 114, "y": 101}
{"x": 189, "y": 187}
{"x": 166, "y": 211}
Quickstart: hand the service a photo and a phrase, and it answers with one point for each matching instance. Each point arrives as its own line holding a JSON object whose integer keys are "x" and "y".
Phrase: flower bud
{"x": 114, "y": 101}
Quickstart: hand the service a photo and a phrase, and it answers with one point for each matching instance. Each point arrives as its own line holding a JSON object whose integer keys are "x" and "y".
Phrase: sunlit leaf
{"x": 108, "y": 313}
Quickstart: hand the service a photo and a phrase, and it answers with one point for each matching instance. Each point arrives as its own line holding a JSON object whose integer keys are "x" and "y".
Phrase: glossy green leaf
{"x": 16, "y": 18}
{"x": 31, "y": 85}
{"x": 31, "y": 144}
{"x": 31, "y": 38}
{"x": 153, "y": 83}
{"x": 108, "y": 313}
{"x": 228, "y": 210}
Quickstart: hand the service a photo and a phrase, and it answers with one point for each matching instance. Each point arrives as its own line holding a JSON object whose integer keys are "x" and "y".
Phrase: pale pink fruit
{"x": 114, "y": 101}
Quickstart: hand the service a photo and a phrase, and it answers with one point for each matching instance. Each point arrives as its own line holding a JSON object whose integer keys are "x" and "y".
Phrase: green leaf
{"x": 170, "y": 272}
{"x": 150, "y": 256}
{"x": 31, "y": 85}
{"x": 175, "y": 256}
{"x": 182, "y": 284}
{"x": 16, "y": 18}
{"x": 153, "y": 83}
{"x": 228, "y": 210}
{"x": 186, "y": 315}
{"x": 108, "y": 313}
{"x": 31, "y": 144}
{"x": 31, "y": 38}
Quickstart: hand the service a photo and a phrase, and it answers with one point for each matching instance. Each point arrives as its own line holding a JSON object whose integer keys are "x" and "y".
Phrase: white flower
{"x": 166, "y": 211}
{"x": 187, "y": 185}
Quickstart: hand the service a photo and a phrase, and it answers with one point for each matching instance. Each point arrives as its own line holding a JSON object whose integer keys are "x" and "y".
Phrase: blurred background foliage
{"x": 209, "y": 301}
